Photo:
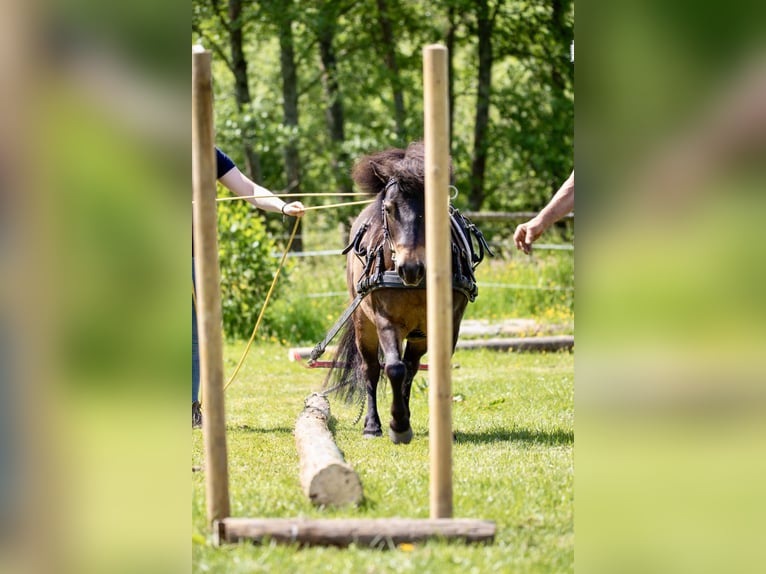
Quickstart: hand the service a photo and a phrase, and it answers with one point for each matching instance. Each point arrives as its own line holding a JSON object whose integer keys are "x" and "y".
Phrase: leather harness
{"x": 374, "y": 276}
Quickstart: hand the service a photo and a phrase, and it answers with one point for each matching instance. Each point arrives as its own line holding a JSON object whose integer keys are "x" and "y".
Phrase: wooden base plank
{"x": 374, "y": 532}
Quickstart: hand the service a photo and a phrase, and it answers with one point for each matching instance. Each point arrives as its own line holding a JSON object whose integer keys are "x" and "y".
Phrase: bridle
{"x": 386, "y": 233}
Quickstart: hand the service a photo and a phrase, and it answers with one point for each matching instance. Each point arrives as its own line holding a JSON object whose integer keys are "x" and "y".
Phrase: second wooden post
{"x": 438, "y": 277}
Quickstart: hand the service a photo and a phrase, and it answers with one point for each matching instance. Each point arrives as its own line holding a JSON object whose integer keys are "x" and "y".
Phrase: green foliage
{"x": 247, "y": 264}
{"x": 315, "y": 300}
{"x": 297, "y": 321}
{"x": 532, "y": 94}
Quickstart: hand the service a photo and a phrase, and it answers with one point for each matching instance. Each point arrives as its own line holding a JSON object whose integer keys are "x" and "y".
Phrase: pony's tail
{"x": 344, "y": 377}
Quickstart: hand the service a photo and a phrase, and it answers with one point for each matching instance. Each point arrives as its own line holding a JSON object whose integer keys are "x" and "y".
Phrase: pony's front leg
{"x": 371, "y": 374}
{"x": 400, "y": 430}
{"x": 413, "y": 352}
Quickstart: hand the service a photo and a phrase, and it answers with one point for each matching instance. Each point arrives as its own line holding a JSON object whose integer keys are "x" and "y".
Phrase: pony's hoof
{"x": 400, "y": 437}
{"x": 372, "y": 434}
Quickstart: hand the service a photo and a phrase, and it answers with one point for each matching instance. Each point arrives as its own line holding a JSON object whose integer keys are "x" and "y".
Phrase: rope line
{"x": 310, "y": 208}
{"x": 265, "y": 303}
{"x": 305, "y": 195}
{"x": 328, "y": 206}
{"x": 279, "y": 268}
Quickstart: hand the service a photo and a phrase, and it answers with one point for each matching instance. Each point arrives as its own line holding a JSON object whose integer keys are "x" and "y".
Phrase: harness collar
{"x": 464, "y": 256}
{"x": 464, "y": 261}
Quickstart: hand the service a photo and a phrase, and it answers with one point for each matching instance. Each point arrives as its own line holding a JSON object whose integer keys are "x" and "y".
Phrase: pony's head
{"x": 397, "y": 176}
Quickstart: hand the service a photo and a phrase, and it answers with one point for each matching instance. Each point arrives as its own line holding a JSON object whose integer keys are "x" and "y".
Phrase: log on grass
{"x": 540, "y": 343}
{"x": 374, "y": 532}
{"x": 325, "y": 477}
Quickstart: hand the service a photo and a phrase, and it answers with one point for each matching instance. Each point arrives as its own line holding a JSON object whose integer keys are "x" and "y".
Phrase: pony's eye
{"x": 389, "y": 207}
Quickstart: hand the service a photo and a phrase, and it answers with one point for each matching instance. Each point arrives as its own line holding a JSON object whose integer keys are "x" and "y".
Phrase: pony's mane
{"x": 407, "y": 166}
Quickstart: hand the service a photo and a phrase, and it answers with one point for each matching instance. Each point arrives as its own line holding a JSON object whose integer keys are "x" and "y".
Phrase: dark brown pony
{"x": 389, "y": 325}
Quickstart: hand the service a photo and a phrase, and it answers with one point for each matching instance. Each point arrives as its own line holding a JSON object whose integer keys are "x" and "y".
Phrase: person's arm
{"x": 240, "y": 184}
{"x": 559, "y": 205}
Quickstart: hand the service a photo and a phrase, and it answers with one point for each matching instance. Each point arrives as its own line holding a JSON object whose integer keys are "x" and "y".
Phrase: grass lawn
{"x": 513, "y": 418}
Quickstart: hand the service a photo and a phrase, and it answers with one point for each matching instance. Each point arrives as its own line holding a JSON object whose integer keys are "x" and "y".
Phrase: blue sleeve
{"x": 224, "y": 164}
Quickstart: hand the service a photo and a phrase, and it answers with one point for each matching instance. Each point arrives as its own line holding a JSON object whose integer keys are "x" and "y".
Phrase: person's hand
{"x": 294, "y": 209}
{"x": 560, "y": 204}
{"x": 526, "y": 233}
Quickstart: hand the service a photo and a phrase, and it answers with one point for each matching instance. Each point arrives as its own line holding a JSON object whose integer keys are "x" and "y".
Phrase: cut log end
{"x": 335, "y": 485}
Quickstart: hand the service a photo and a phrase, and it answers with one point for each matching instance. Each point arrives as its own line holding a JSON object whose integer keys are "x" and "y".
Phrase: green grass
{"x": 512, "y": 463}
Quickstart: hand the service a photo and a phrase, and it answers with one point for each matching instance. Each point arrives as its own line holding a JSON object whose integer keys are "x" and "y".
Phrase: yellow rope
{"x": 339, "y": 204}
{"x": 236, "y": 197}
{"x": 279, "y": 268}
{"x": 265, "y": 303}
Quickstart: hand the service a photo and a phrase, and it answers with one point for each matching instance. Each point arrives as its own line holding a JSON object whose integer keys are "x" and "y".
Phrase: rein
{"x": 388, "y": 280}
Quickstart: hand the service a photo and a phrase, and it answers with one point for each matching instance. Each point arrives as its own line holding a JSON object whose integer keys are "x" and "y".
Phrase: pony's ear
{"x": 372, "y": 172}
{"x": 368, "y": 175}
{"x": 377, "y": 171}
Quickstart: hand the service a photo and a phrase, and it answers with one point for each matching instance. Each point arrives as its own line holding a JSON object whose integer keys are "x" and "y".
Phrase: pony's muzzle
{"x": 411, "y": 272}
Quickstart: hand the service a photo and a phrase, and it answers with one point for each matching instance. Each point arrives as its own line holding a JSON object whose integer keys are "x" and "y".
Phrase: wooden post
{"x": 438, "y": 277}
{"x": 325, "y": 477}
{"x": 209, "y": 319}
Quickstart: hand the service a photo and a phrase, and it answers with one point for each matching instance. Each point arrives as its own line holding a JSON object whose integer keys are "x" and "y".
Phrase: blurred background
{"x": 670, "y": 142}
{"x": 94, "y": 239}
{"x": 94, "y": 204}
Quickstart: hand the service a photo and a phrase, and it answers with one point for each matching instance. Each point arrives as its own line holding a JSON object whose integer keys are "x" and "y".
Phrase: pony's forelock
{"x": 407, "y": 166}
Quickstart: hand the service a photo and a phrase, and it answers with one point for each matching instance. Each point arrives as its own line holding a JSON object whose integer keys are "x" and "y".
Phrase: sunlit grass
{"x": 512, "y": 459}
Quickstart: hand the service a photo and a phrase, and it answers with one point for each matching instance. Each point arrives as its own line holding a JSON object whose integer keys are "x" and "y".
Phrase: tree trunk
{"x": 561, "y": 39}
{"x": 334, "y": 102}
{"x": 480, "y": 143}
{"x": 241, "y": 88}
{"x": 561, "y": 36}
{"x": 451, "y": 37}
{"x": 290, "y": 108}
{"x": 389, "y": 58}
